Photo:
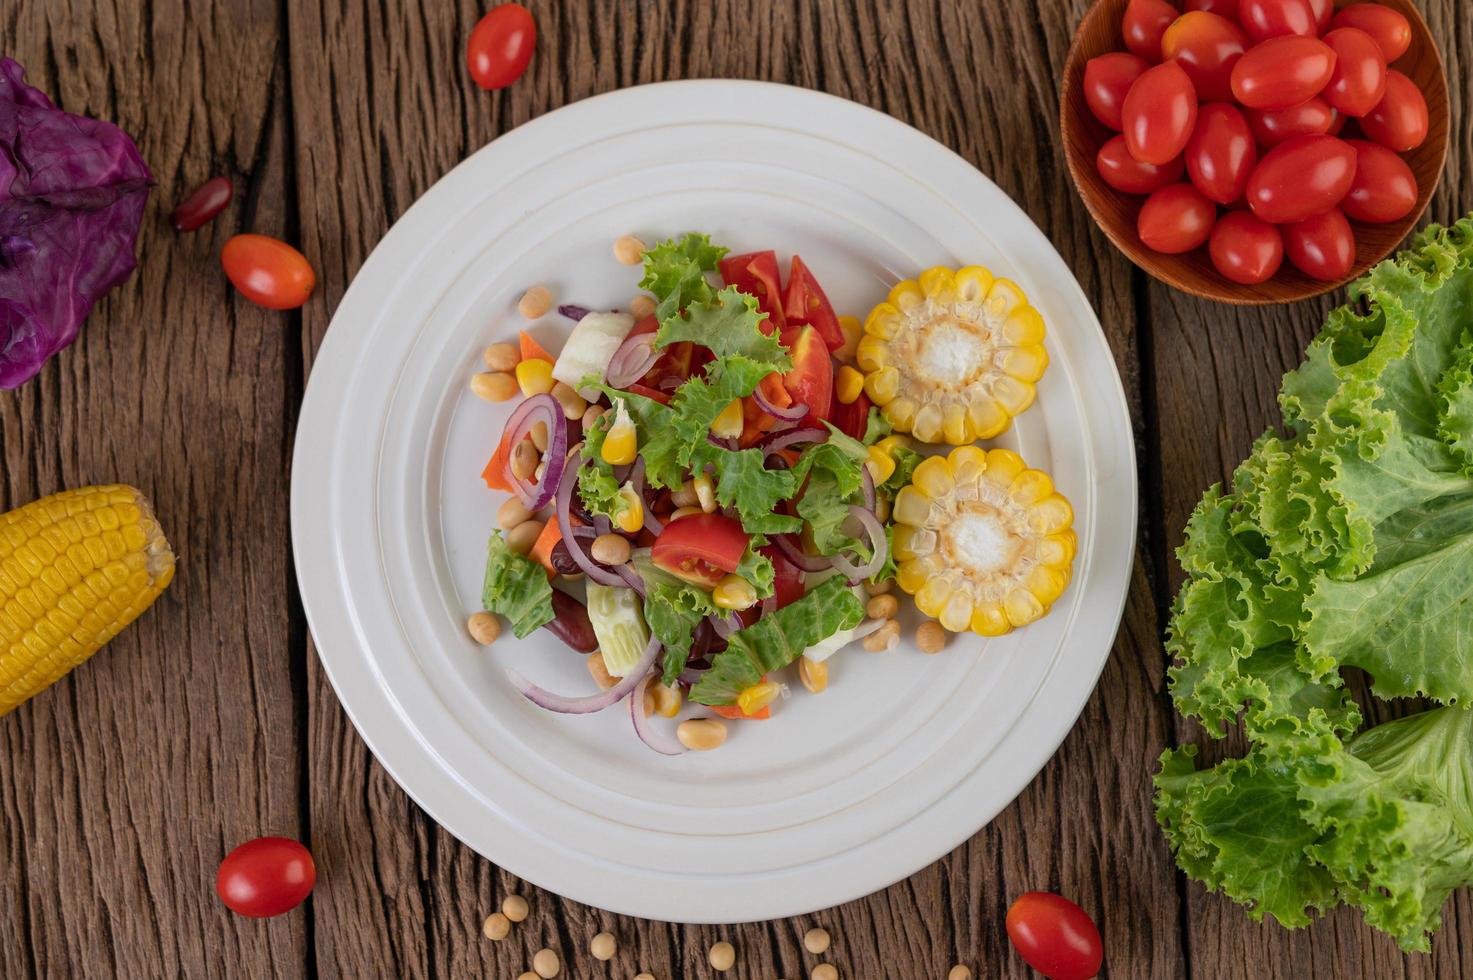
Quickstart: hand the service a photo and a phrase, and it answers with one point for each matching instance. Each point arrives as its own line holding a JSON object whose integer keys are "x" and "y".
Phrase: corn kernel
{"x": 1046, "y": 584}
{"x": 927, "y": 424}
{"x": 852, "y": 330}
{"x": 883, "y": 385}
{"x": 1022, "y": 607}
{"x": 848, "y": 384}
{"x": 972, "y": 283}
{"x": 882, "y": 322}
{"x": 1025, "y": 364}
{"x": 900, "y": 413}
{"x": 1050, "y": 515}
{"x": 871, "y": 353}
{"x": 932, "y": 597}
{"x": 753, "y": 699}
{"x": 1003, "y": 298}
{"x": 1023, "y": 326}
{"x": 954, "y": 426}
{"x": 734, "y": 592}
{"x": 881, "y": 464}
{"x": 988, "y": 418}
{"x": 622, "y": 442}
{"x": 967, "y": 463}
{"x": 988, "y": 619}
{"x": 933, "y": 477}
{"x": 956, "y": 615}
{"x": 906, "y": 295}
{"x": 1003, "y": 467}
{"x": 912, "y": 506}
{"x": 938, "y": 284}
{"x": 728, "y": 423}
{"x": 705, "y": 492}
{"x": 1015, "y": 396}
{"x": 911, "y": 575}
{"x": 629, "y": 517}
{"x": 534, "y": 376}
{"x": 1030, "y": 487}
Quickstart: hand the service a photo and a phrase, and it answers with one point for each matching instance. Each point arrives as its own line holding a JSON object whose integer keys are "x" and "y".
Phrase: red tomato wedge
{"x": 700, "y": 548}
{"x": 756, "y": 273}
{"x": 807, "y": 303}
{"x": 533, "y": 351}
{"x": 852, "y": 419}
{"x": 811, "y": 381}
{"x": 652, "y": 394}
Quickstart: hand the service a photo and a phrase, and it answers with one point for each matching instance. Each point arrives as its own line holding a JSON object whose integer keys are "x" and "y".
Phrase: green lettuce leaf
{"x": 675, "y": 272}
{"x": 673, "y": 608}
{"x": 906, "y": 461}
{"x": 515, "y": 587}
{"x": 730, "y": 325}
{"x": 876, "y": 427}
{"x": 777, "y": 639}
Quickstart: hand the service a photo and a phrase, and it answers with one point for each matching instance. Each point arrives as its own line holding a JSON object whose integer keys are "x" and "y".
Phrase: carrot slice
{"x": 735, "y": 713}
{"x": 546, "y": 541}
{"x": 495, "y": 474}
{"x": 531, "y": 350}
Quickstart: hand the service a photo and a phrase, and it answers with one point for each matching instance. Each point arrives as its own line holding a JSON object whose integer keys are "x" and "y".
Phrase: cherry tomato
{"x": 1222, "y": 8}
{"x": 1106, "y": 80}
{"x": 1055, "y": 937}
{"x": 1245, "y": 248}
{"x": 1358, "y": 82}
{"x": 501, "y": 44}
{"x": 265, "y": 877}
{"x": 1176, "y": 219}
{"x": 1159, "y": 113}
{"x": 1282, "y": 72}
{"x": 268, "y": 271}
{"x": 1304, "y": 176}
{"x": 1321, "y": 246}
{"x": 1144, "y": 23}
{"x": 700, "y": 548}
{"x": 1221, "y": 153}
{"x": 1206, "y": 46}
{"x": 1391, "y": 30}
{"x": 1399, "y": 120}
{"x": 1313, "y": 117}
{"x": 1125, "y": 173}
{"x": 203, "y": 204}
{"x": 1263, "y": 19}
{"x": 1384, "y": 189}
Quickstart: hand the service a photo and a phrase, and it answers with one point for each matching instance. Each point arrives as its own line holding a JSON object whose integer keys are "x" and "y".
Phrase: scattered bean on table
{"x": 722, "y": 957}
{"x": 603, "y": 946}
{"x": 884, "y": 638}
{"x": 959, "y": 972}
{"x": 545, "y": 963}
{"x": 816, "y": 940}
{"x": 515, "y": 908}
{"x": 824, "y": 971}
{"x": 496, "y": 927}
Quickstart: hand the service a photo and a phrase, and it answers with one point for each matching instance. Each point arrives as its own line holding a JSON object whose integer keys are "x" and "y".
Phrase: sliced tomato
{"x": 531, "y": 350}
{"x": 852, "y": 419}
{"x": 787, "y": 583}
{"x": 700, "y": 548}
{"x": 734, "y": 713}
{"x": 811, "y": 380}
{"x": 652, "y": 394}
{"x": 756, "y": 273}
{"x": 807, "y": 303}
{"x": 647, "y": 325}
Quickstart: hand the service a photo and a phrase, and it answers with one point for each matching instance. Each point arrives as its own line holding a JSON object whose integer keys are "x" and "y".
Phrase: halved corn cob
{"x": 75, "y": 568}
{"x": 981, "y": 541}
{"x": 954, "y": 356}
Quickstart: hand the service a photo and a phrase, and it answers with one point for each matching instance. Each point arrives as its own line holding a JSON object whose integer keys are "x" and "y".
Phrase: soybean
{"x": 535, "y": 303}
{"x": 521, "y": 538}
{"x": 501, "y": 357}
{"x": 483, "y": 628}
{"x": 701, "y": 734}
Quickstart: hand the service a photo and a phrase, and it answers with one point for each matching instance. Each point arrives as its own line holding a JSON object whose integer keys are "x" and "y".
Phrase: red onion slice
{"x": 793, "y": 413}
{"x": 540, "y": 408}
{"x": 661, "y": 742}
{"x": 873, "y": 530}
{"x": 869, "y": 486}
{"x": 794, "y": 553}
{"x": 587, "y": 705}
{"x": 632, "y": 360}
{"x": 691, "y": 676}
{"x": 594, "y": 571}
{"x": 725, "y": 625}
{"x": 782, "y": 440}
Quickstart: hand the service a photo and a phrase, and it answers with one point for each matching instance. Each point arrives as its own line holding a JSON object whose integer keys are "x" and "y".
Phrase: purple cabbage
{"x": 72, "y": 192}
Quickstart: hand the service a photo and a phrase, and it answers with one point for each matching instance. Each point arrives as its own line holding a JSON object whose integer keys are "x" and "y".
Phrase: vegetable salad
{"x": 735, "y": 472}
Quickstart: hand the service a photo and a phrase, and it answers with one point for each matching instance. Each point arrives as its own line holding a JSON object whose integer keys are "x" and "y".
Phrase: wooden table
{"x": 209, "y": 721}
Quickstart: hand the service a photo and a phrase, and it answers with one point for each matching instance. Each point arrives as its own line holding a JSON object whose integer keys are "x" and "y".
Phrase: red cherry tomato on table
{"x": 1222, "y": 8}
{"x": 1221, "y": 153}
{"x": 267, "y": 271}
{"x": 1125, "y": 173}
{"x": 1245, "y": 248}
{"x": 1301, "y": 177}
{"x": 1176, "y": 219}
{"x": 1321, "y": 246}
{"x": 1282, "y": 72}
{"x": 265, "y": 877}
{"x": 1384, "y": 189}
{"x": 501, "y": 44}
{"x": 1391, "y": 30}
{"x": 203, "y": 205}
{"x": 1312, "y": 117}
{"x": 1106, "y": 80}
{"x": 1263, "y": 19}
{"x": 1144, "y": 23}
{"x": 1159, "y": 113}
{"x": 1399, "y": 120}
{"x": 1358, "y": 82}
{"x": 1055, "y": 936}
{"x": 1206, "y": 46}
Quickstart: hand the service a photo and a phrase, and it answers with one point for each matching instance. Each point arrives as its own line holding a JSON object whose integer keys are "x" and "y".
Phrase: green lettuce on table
{"x": 1344, "y": 542}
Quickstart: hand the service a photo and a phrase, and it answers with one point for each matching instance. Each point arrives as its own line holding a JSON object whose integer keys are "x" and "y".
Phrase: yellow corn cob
{"x": 952, "y": 356}
{"x": 981, "y": 541}
{"x": 75, "y": 568}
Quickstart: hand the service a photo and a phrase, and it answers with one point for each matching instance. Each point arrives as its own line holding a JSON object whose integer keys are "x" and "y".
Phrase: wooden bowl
{"x": 1193, "y": 271}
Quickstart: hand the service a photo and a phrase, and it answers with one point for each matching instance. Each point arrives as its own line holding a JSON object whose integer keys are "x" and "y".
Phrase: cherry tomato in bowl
{"x": 1055, "y": 937}
{"x": 1222, "y": 8}
{"x": 1384, "y": 189}
{"x": 268, "y": 271}
{"x": 1106, "y": 80}
{"x": 1127, "y": 174}
{"x": 265, "y": 877}
{"x": 1176, "y": 219}
{"x": 1144, "y": 23}
{"x": 1390, "y": 29}
{"x": 501, "y": 45}
{"x": 1301, "y": 177}
{"x": 1207, "y": 47}
{"x": 1400, "y": 120}
{"x": 1282, "y": 72}
{"x": 1358, "y": 82}
{"x": 1159, "y": 112}
{"x": 1321, "y": 246}
{"x": 1264, "y": 19}
{"x": 1221, "y": 153}
{"x": 1313, "y": 117}
{"x": 1245, "y": 248}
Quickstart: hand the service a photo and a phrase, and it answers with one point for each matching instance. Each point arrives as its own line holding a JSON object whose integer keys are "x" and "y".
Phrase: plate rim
{"x": 327, "y": 371}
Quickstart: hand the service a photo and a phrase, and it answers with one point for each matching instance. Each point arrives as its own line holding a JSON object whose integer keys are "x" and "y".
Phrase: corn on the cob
{"x": 954, "y": 356}
{"x": 75, "y": 568}
{"x": 981, "y": 541}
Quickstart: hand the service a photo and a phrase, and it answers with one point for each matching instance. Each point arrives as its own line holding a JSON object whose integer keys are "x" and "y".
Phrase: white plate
{"x": 906, "y": 755}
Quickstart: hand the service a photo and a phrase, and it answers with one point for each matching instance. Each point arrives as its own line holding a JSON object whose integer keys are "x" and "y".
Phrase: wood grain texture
{"x": 209, "y": 721}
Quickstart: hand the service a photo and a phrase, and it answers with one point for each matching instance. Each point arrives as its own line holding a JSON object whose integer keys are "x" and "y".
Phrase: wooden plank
{"x": 121, "y": 788}
{"x": 382, "y": 107}
{"x": 1217, "y": 373}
